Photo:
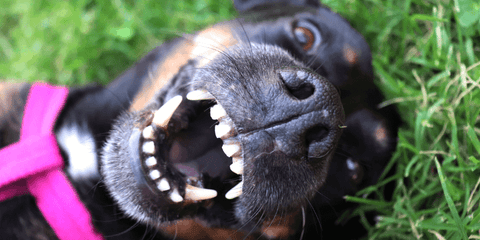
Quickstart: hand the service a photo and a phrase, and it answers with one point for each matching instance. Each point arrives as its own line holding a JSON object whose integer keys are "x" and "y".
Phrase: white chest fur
{"x": 80, "y": 147}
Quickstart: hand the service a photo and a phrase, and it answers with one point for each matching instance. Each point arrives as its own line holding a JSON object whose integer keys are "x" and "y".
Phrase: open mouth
{"x": 157, "y": 174}
{"x": 263, "y": 137}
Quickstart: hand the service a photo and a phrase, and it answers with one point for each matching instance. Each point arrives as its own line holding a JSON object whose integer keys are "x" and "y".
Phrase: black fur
{"x": 289, "y": 107}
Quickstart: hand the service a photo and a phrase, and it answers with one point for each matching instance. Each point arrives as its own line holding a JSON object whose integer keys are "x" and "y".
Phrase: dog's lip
{"x": 134, "y": 153}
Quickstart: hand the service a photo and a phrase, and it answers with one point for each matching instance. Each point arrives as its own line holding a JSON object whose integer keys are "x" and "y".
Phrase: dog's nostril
{"x": 303, "y": 91}
{"x": 296, "y": 84}
{"x": 315, "y": 134}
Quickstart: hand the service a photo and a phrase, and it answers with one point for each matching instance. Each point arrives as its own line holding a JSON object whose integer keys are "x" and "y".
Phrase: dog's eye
{"x": 304, "y": 37}
{"x": 307, "y": 35}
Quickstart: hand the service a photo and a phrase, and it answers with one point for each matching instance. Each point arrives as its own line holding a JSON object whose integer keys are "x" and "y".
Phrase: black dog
{"x": 296, "y": 143}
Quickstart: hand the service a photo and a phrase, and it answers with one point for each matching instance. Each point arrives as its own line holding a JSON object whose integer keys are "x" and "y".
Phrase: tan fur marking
{"x": 190, "y": 229}
{"x": 349, "y": 54}
{"x": 211, "y": 42}
{"x": 8, "y": 92}
{"x": 381, "y": 135}
{"x": 204, "y": 45}
{"x": 165, "y": 72}
{"x": 280, "y": 227}
{"x": 11, "y": 110}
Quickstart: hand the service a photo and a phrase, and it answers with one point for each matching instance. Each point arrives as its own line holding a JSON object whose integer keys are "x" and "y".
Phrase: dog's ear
{"x": 246, "y": 5}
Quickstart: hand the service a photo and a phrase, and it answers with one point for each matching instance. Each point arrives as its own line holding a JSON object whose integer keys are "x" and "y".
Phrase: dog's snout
{"x": 297, "y": 84}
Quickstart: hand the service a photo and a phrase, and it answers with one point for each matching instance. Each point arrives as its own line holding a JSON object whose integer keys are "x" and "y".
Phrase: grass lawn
{"x": 426, "y": 59}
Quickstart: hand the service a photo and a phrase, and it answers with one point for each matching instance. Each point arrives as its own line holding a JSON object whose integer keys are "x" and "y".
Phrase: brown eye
{"x": 304, "y": 37}
{"x": 307, "y": 35}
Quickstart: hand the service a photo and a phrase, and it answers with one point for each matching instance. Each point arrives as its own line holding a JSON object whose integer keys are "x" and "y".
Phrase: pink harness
{"x": 34, "y": 165}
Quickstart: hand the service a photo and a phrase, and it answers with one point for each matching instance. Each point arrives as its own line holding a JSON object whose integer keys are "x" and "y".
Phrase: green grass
{"x": 75, "y": 42}
{"x": 426, "y": 59}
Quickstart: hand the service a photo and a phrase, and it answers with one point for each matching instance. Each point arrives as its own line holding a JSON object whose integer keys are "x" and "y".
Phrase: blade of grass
{"x": 451, "y": 204}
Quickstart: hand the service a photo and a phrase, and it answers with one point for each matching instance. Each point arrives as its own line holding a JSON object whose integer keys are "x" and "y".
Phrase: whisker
{"x": 303, "y": 223}
{"x": 316, "y": 215}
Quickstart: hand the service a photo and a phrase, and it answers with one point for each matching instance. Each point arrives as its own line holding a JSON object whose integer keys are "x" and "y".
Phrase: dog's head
{"x": 271, "y": 81}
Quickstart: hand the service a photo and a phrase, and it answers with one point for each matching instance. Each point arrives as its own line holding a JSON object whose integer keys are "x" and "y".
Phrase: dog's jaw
{"x": 280, "y": 146}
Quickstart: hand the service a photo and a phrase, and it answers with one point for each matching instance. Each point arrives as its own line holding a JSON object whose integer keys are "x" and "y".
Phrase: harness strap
{"x": 34, "y": 165}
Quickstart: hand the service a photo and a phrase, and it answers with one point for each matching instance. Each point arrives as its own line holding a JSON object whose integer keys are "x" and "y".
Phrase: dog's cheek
{"x": 114, "y": 168}
{"x": 117, "y": 170}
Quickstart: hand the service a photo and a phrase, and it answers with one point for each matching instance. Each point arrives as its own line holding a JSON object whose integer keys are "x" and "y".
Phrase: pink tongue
{"x": 189, "y": 169}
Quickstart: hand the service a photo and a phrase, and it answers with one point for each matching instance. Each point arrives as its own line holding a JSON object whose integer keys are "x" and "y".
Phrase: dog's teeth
{"x": 148, "y": 133}
{"x": 175, "y": 196}
{"x": 198, "y": 194}
{"x": 163, "y": 185}
{"x": 231, "y": 149}
{"x": 237, "y": 167}
{"x": 217, "y": 112}
{"x": 151, "y": 161}
{"x": 154, "y": 174}
{"x": 148, "y": 147}
{"x": 235, "y": 191}
{"x": 222, "y": 130}
{"x": 163, "y": 115}
{"x": 199, "y": 95}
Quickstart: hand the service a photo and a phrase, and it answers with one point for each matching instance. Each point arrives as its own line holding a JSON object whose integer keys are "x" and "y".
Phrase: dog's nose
{"x": 311, "y": 114}
{"x": 299, "y": 117}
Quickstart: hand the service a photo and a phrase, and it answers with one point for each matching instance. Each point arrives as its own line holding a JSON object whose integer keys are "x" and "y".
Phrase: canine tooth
{"x": 198, "y": 194}
{"x": 151, "y": 161}
{"x": 163, "y": 114}
{"x": 231, "y": 149}
{"x": 163, "y": 185}
{"x": 148, "y": 133}
{"x": 199, "y": 95}
{"x": 235, "y": 191}
{"x": 148, "y": 147}
{"x": 175, "y": 196}
{"x": 222, "y": 130}
{"x": 217, "y": 112}
{"x": 154, "y": 174}
{"x": 237, "y": 167}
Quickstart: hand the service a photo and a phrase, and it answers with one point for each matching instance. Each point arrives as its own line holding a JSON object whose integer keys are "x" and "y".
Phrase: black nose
{"x": 298, "y": 116}
{"x": 297, "y": 83}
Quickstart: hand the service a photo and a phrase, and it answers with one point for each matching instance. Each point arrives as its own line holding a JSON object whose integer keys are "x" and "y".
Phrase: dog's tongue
{"x": 190, "y": 169}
